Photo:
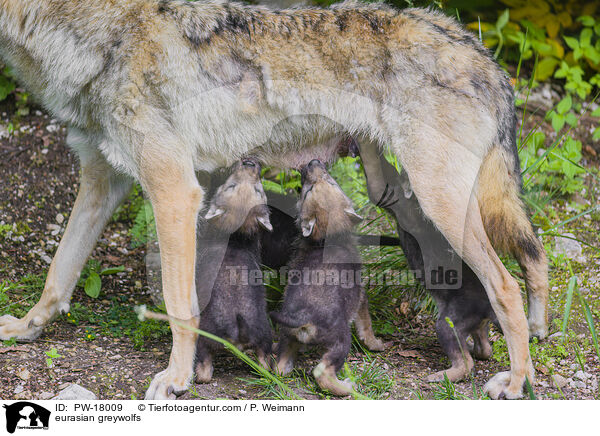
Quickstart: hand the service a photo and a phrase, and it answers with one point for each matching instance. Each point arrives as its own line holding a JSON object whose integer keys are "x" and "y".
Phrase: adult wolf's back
{"x": 154, "y": 90}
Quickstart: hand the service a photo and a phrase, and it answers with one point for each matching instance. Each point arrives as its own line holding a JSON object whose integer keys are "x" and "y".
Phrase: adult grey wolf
{"x": 154, "y": 90}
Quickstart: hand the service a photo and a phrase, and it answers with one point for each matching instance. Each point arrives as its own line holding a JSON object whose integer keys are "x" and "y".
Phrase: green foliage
{"x": 52, "y": 354}
{"x": 90, "y": 278}
{"x": 556, "y": 168}
{"x": 445, "y": 390}
{"x": 7, "y": 85}
{"x": 119, "y": 320}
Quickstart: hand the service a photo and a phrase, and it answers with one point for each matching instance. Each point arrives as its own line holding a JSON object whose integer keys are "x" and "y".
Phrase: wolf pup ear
{"x": 264, "y": 222}
{"x": 213, "y": 212}
{"x": 308, "y": 227}
{"x": 354, "y": 217}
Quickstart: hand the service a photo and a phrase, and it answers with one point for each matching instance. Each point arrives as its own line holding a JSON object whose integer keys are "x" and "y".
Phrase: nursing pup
{"x": 324, "y": 294}
{"x": 228, "y": 268}
{"x": 156, "y": 90}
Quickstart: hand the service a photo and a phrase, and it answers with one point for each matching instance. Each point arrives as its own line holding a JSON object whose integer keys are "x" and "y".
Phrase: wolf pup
{"x": 228, "y": 267}
{"x": 319, "y": 309}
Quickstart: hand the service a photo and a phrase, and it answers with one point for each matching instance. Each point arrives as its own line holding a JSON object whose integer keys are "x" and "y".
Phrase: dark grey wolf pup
{"x": 317, "y": 310}
{"x": 468, "y": 308}
{"x": 229, "y": 245}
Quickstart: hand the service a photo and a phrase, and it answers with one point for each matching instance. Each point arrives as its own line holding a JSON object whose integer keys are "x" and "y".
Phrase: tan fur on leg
{"x": 176, "y": 198}
{"x": 327, "y": 379}
{"x": 457, "y": 372}
{"x": 204, "y": 371}
{"x": 481, "y": 343}
{"x": 364, "y": 328}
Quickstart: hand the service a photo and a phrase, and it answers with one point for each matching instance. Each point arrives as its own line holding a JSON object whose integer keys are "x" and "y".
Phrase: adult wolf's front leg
{"x": 176, "y": 198}
{"x": 101, "y": 191}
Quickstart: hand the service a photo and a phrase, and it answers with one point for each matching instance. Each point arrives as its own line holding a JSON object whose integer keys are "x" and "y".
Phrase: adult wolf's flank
{"x": 154, "y": 90}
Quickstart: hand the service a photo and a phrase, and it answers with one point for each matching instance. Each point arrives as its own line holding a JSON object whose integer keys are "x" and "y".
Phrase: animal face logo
{"x": 26, "y": 415}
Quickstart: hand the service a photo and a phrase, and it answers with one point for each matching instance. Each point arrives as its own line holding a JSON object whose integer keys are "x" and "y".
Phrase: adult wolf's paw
{"x": 167, "y": 386}
{"x": 499, "y": 387}
{"x": 537, "y": 329}
{"x": 22, "y": 329}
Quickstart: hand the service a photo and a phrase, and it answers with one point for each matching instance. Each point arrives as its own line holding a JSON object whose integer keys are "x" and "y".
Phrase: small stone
{"x": 594, "y": 384}
{"x": 19, "y": 389}
{"x": 574, "y": 366}
{"x": 116, "y": 357}
{"x": 556, "y": 335}
{"x": 567, "y": 245}
{"x": 24, "y": 374}
{"x": 242, "y": 391}
{"x": 60, "y": 218}
{"x": 577, "y": 384}
{"x": 580, "y": 375}
{"x": 45, "y": 395}
{"x": 75, "y": 392}
{"x": 26, "y": 395}
{"x": 63, "y": 386}
{"x": 559, "y": 381}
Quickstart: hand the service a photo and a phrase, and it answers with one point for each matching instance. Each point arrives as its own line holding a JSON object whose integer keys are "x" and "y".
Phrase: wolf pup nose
{"x": 319, "y": 307}
{"x": 228, "y": 268}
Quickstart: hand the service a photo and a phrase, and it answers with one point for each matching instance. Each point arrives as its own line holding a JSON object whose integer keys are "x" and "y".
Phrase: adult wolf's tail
{"x": 510, "y": 231}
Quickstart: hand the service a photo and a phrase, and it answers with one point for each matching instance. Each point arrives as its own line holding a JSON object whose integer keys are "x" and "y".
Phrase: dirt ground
{"x": 38, "y": 185}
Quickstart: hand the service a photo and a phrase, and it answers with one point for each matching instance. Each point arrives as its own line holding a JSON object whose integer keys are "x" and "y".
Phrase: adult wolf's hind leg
{"x": 101, "y": 190}
{"x": 449, "y": 199}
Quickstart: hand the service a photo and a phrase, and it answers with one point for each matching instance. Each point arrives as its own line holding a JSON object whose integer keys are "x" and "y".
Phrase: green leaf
{"x": 564, "y": 105}
{"x": 592, "y": 54}
{"x": 558, "y": 121}
{"x": 585, "y": 38}
{"x": 571, "y": 119}
{"x": 108, "y": 271}
{"x": 545, "y": 68}
{"x": 503, "y": 19}
{"x": 92, "y": 285}
{"x": 53, "y": 353}
{"x": 590, "y": 321}
{"x": 571, "y": 42}
{"x": 570, "y": 289}
{"x": 596, "y": 135}
{"x": 596, "y": 113}
{"x": 6, "y": 87}
{"x": 587, "y": 20}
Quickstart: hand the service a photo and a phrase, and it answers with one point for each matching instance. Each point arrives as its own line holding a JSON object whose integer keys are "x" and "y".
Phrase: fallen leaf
{"x": 17, "y": 348}
{"x": 410, "y": 353}
{"x": 590, "y": 150}
{"x": 542, "y": 369}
